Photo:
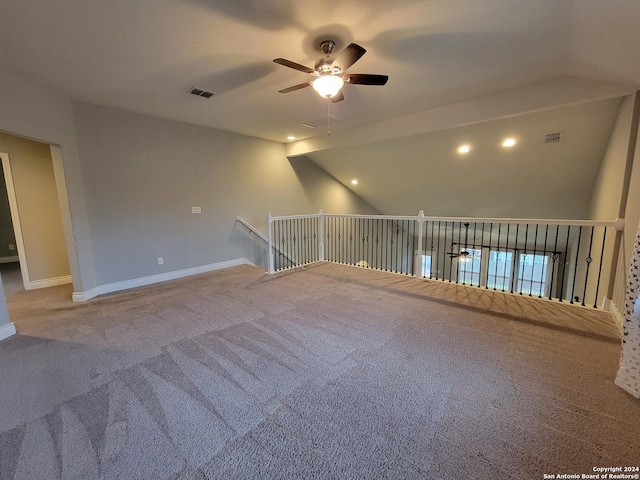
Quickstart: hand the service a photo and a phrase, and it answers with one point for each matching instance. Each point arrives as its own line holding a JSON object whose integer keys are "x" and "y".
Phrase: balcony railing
{"x": 566, "y": 260}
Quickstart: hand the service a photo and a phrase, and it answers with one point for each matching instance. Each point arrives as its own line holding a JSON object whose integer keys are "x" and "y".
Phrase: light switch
{"x": 196, "y": 210}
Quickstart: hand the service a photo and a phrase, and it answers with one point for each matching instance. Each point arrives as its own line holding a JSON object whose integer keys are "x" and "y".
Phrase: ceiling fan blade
{"x": 365, "y": 79}
{"x": 348, "y": 57}
{"x": 295, "y": 87}
{"x": 338, "y": 97}
{"x": 294, "y": 65}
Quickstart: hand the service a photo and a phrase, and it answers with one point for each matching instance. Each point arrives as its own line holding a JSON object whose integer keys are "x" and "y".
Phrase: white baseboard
{"x": 48, "y": 282}
{"x": 7, "y": 330}
{"x": 161, "y": 277}
{"x": 618, "y": 318}
{"x": 9, "y": 259}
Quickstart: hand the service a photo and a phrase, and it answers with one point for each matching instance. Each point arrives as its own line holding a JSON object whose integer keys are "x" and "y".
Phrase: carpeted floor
{"x": 326, "y": 372}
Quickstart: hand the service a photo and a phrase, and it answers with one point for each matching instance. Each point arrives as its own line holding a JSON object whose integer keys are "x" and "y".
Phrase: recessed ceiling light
{"x": 509, "y": 142}
{"x": 464, "y": 149}
{"x": 354, "y": 182}
{"x": 291, "y": 137}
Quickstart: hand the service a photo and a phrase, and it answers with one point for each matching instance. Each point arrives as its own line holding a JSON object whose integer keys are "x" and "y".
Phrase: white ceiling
{"x": 464, "y": 70}
{"x": 144, "y": 55}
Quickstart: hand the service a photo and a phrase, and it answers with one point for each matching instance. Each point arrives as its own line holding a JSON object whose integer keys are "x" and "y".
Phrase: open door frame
{"x": 15, "y": 220}
{"x": 28, "y": 283}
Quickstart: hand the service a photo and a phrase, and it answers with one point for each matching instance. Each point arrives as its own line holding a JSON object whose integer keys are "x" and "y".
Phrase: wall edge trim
{"x": 618, "y": 318}
{"x": 151, "y": 279}
{"x": 7, "y": 330}
{"x": 49, "y": 282}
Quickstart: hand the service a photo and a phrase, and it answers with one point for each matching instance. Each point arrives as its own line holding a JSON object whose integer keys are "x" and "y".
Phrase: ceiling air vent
{"x": 200, "y": 93}
{"x": 553, "y": 137}
{"x": 318, "y": 121}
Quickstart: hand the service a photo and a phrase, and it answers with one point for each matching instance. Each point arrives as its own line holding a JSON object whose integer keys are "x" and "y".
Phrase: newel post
{"x": 417, "y": 263}
{"x": 321, "y": 234}
{"x": 270, "y": 223}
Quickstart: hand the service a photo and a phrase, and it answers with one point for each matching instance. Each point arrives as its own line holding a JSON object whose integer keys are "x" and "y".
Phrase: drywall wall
{"x": 632, "y": 220}
{"x": 6, "y": 227}
{"x": 604, "y": 203}
{"x": 142, "y": 176}
{"x": 39, "y": 113}
{"x": 38, "y": 207}
{"x": 322, "y": 189}
{"x": 607, "y": 188}
{"x": 608, "y": 192}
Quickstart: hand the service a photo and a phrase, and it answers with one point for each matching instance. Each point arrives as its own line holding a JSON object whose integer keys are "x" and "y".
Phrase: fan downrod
{"x": 327, "y": 46}
{"x": 324, "y": 66}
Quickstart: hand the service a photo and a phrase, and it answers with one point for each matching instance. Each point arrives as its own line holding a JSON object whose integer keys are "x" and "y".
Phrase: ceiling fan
{"x": 464, "y": 253}
{"x": 330, "y": 72}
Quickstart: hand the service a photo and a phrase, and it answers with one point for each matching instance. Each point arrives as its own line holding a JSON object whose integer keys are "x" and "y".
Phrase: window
{"x": 499, "y": 270}
{"x": 426, "y": 265}
{"x": 505, "y": 270}
{"x": 532, "y": 274}
{"x": 469, "y": 267}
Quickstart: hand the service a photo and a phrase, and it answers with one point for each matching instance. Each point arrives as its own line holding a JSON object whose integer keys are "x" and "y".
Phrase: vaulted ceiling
{"x": 531, "y": 179}
{"x": 144, "y": 55}
{"x": 458, "y": 69}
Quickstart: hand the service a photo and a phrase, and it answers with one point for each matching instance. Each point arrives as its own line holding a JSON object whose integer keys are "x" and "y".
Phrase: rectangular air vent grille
{"x": 553, "y": 137}
{"x": 200, "y": 92}
{"x": 318, "y": 121}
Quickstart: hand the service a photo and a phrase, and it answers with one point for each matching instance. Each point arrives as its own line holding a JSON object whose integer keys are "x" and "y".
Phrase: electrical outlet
{"x": 160, "y": 260}
{"x": 12, "y": 246}
{"x": 196, "y": 210}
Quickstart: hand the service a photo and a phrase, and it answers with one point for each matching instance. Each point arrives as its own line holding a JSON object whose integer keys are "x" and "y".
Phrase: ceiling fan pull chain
{"x": 328, "y": 117}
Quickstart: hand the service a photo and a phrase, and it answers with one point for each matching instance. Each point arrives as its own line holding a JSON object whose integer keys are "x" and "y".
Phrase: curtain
{"x": 628, "y": 376}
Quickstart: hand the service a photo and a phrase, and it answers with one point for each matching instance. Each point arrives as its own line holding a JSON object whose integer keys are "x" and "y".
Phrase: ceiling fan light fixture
{"x": 328, "y": 86}
{"x": 329, "y": 72}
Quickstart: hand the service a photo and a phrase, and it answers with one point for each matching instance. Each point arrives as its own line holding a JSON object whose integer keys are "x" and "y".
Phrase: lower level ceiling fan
{"x": 464, "y": 252}
{"x": 329, "y": 72}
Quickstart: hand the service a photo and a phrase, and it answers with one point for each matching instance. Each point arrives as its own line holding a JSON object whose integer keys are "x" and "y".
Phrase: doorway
{"x": 32, "y": 195}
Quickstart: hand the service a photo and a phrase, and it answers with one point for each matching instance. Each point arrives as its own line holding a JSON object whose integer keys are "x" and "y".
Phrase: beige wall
{"x": 632, "y": 219}
{"x": 607, "y": 189}
{"x": 38, "y": 207}
{"x": 6, "y": 227}
{"x": 607, "y": 193}
{"x": 606, "y": 196}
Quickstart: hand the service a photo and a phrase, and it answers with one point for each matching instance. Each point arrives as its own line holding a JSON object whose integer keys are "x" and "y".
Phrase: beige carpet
{"x": 325, "y": 372}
